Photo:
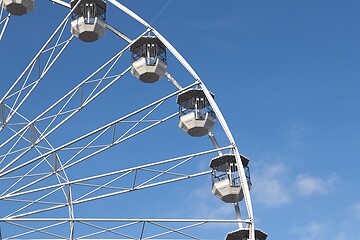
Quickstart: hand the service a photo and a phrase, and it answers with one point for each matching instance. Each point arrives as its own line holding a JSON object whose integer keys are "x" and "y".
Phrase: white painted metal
{"x": 145, "y": 167}
{"x": 214, "y": 106}
{"x": 6, "y": 169}
{"x": 148, "y": 73}
{"x": 148, "y": 64}
{"x": 61, "y": 3}
{"x": 62, "y": 178}
{"x": 118, "y": 33}
{"x": 66, "y": 100}
{"x": 122, "y": 220}
{"x": 88, "y": 146}
{"x": 88, "y": 25}
{"x": 225, "y": 178}
{"x": 238, "y": 214}
{"x": 196, "y": 118}
{"x": 53, "y": 56}
{"x": 4, "y": 22}
{"x": 88, "y": 32}
{"x": 28, "y": 70}
{"x": 108, "y": 26}
{"x": 173, "y": 80}
{"x": 164, "y": 226}
{"x": 130, "y": 13}
{"x": 196, "y": 127}
{"x": 226, "y": 192}
{"x": 69, "y": 96}
{"x": 18, "y": 7}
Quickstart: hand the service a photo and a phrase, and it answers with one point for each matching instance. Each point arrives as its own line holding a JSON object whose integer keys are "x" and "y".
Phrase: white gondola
{"x": 148, "y": 59}
{"x": 41, "y": 182}
{"x": 89, "y": 17}
{"x": 226, "y": 183}
{"x": 18, "y": 7}
{"x": 243, "y": 234}
{"x": 196, "y": 115}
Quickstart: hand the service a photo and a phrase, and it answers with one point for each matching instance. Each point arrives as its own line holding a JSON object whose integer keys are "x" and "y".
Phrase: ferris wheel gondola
{"x": 37, "y": 175}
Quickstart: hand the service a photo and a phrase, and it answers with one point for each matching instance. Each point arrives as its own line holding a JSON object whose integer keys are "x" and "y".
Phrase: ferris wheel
{"x": 72, "y": 168}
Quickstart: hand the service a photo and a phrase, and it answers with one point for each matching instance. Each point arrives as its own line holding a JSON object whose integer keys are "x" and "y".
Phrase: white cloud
{"x": 307, "y": 185}
{"x": 296, "y": 137}
{"x": 348, "y": 226}
{"x": 356, "y": 209}
{"x": 206, "y": 204}
{"x": 269, "y": 187}
{"x": 312, "y": 231}
{"x": 342, "y": 236}
{"x": 273, "y": 186}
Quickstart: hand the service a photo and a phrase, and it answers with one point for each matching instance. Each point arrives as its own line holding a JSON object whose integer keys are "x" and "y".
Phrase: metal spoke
{"x": 25, "y": 75}
{"x": 123, "y": 224}
{"x": 47, "y": 172}
{"x": 107, "y": 230}
{"x": 6, "y": 169}
{"x": 36, "y": 230}
{"x": 3, "y": 23}
{"x": 109, "y": 174}
{"x": 178, "y": 230}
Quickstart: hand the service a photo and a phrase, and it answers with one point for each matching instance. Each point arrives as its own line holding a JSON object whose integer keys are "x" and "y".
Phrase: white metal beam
{"x": 29, "y": 68}
{"x": 164, "y": 220}
{"x": 20, "y": 192}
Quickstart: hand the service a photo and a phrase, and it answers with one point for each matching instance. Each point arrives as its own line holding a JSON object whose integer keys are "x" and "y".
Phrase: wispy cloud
{"x": 296, "y": 136}
{"x": 348, "y": 226}
{"x": 219, "y": 23}
{"x": 269, "y": 186}
{"x": 311, "y": 231}
{"x": 206, "y": 204}
{"x": 356, "y": 209}
{"x": 338, "y": 229}
{"x": 307, "y": 185}
{"x": 343, "y": 236}
{"x": 273, "y": 185}
{"x": 161, "y": 11}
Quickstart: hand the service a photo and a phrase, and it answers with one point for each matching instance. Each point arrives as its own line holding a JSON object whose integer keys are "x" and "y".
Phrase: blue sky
{"x": 286, "y": 78}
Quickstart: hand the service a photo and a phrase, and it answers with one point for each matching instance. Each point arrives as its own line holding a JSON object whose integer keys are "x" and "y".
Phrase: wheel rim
{"x": 70, "y": 157}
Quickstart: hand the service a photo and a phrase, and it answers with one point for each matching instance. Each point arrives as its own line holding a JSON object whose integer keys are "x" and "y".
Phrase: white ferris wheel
{"x": 72, "y": 168}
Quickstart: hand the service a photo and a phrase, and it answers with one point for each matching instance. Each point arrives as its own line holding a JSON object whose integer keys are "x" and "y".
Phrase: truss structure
{"x": 4, "y": 20}
{"x": 47, "y": 187}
